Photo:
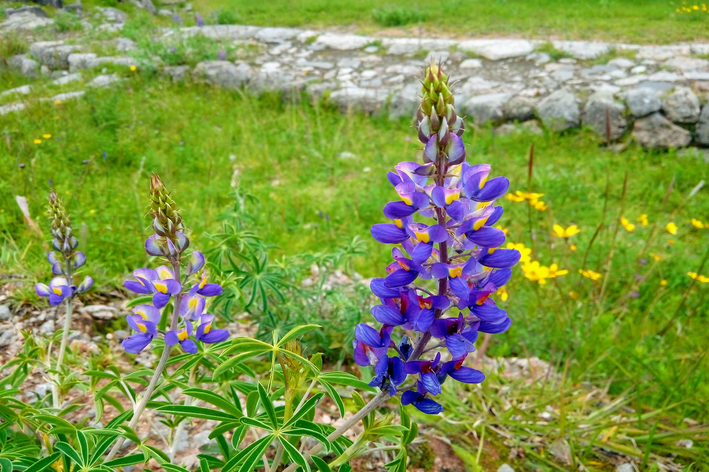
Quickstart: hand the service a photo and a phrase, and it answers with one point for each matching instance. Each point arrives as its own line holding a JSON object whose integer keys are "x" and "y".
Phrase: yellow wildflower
{"x": 663, "y": 282}
{"x": 46, "y": 136}
{"x": 573, "y": 295}
{"x": 523, "y": 251}
{"x": 133, "y": 68}
{"x": 38, "y": 141}
{"x": 565, "y": 233}
{"x": 629, "y": 227}
{"x": 698, "y": 224}
{"x": 540, "y": 206}
{"x": 573, "y": 247}
{"x": 555, "y": 272}
{"x": 671, "y": 228}
{"x": 57, "y": 102}
{"x": 503, "y": 294}
{"x": 536, "y": 272}
{"x": 698, "y": 277}
{"x": 655, "y": 256}
{"x": 642, "y": 219}
{"x": 589, "y": 274}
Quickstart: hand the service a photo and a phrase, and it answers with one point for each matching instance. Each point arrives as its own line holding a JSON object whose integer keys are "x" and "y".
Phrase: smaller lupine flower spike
{"x": 57, "y": 291}
{"x": 182, "y": 337}
{"x": 389, "y": 374}
{"x": 207, "y": 334}
{"x": 419, "y": 400}
{"x": 199, "y": 20}
{"x": 205, "y": 289}
{"x": 145, "y": 322}
{"x": 195, "y": 263}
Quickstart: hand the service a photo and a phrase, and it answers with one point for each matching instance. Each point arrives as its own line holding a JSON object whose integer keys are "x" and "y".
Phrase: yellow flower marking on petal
{"x": 207, "y": 328}
{"x": 455, "y": 271}
{"x": 422, "y": 236}
{"x": 57, "y": 291}
{"x": 480, "y": 223}
{"x": 398, "y": 223}
{"x": 160, "y": 287}
{"x": 182, "y": 335}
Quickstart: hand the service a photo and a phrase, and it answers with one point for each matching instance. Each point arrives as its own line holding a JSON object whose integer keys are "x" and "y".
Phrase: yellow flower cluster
{"x": 566, "y": 233}
{"x": 589, "y": 274}
{"x": 629, "y": 227}
{"x": 45, "y": 136}
{"x": 692, "y": 9}
{"x": 698, "y": 277}
{"x": 533, "y": 270}
{"x": 698, "y": 224}
{"x": 532, "y": 198}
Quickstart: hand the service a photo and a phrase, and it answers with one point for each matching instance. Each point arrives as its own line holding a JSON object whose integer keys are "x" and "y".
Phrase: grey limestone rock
{"x": 657, "y": 132}
{"x": 559, "y": 111}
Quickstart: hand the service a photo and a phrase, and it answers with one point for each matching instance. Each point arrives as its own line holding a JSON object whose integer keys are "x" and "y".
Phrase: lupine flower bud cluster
{"x": 66, "y": 259}
{"x": 439, "y": 296}
{"x": 169, "y": 239}
{"x": 165, "y": 284}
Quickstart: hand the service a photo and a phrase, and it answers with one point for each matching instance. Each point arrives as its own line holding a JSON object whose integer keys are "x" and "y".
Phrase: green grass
{"x": 643, "y": 21}
{"x": 321, "y": 180}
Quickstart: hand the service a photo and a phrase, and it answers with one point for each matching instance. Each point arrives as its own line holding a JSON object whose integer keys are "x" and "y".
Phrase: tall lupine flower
{"x": 166, "y": 284}
{"x": 452, "y": 263}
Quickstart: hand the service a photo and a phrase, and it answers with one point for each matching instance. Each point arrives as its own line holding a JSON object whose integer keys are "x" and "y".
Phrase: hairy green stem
{"x": 138, "y": 410}
{"x": 56, "y": 401}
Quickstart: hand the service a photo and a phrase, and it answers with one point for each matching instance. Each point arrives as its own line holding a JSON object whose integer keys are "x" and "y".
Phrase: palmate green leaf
{"x": 215, "y": 399}
{"x": 69, "y": 452}
{"x": 296, "y": 332}
{"x": 267, "y": 406}
{"x": 343, "y": 378}
{"x": 335, "y": 396}
{"x": 294, "y": 454}
{"x": 257, "y": 424}
{"x": 320, "y": 464}
{"x": 313, "y": 433}
{"x": 254, "y": 456}
{"x": 43, "y": 464}
{"x": 304, "y": 410}
{"x": 132, "y": 459}
{"x": 241, "y": 455}
{"x": 197, "y": 412}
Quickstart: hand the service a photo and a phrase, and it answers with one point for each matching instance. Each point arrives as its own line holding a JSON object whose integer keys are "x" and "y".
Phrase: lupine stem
{"x": 138, "y": 411}
{"x": 380, "y": 398}
{"x": 56, "y": 401}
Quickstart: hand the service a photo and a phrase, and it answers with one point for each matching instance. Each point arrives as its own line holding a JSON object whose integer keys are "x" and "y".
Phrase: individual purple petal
{"x": 189, "y": 346}
{"x": 137, "y": 342}
{"x": 500, "y": 258}
{"x": 428, "y": 406}
{"x": 164, "y": 272}
{"x": 456, "y": 210}
{"x": 400, "y": 278}
{"x": 215, "y": 336}
{"x": 368, "y": 335}
{"x": 495, "y": 216}
{"x": 467, "y": 375}
{"x": 52, "y": 257}
{"x": 170, "y": 247}
{"x": 421, "y": 253}
{"x": 360, "y": 353}
{"x": 430, "y": 381}
{"x": 183, "y": 241}
{"x": 160, "y": 299}
{"x": 430, "y": 152}
{"x": 458, "y": 346}
{"x": 136, "y": 287}
{"x": 148, "y": 313}
{"x": 382, "y": 291}
{"x": 455, "y": 151}
{"x": 398, "y": 210}
{"x": 195, "y": 264}
{"x": 495, "y": 327}
{"x": 210, "y": 290}
{"x": 79, "y": 259}
{"x": 55, "y": 299}
{"x": 85, "y": 284}
{"x": 145, "y": 274}
{"x": 387, "y": 315}
{"x": 487, "y": 236}
{"x": 58, "y": 268}
{"x": 488, "y": 311}
{"x": 171, "y": 338}
{"x": 492, "y": 190}
{"x": 168, "y": 286}
{"x": 388, "y": 233}
{"x": 42, "y": 290}
{"x": 424, "y": 320}
{"x": 152, "y": 246}
{"x": 500, "y": 277}
{"x": 398, "y": 374}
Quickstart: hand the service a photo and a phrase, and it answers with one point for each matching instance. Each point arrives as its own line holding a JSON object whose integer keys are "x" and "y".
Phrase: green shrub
{"x": 397, "y": 16}
{"x": 227, "y": 17}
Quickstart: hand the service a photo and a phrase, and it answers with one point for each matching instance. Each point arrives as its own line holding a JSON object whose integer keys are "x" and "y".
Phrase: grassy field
{"x": 643, "y": 21}
{"x": 320, "y": 179}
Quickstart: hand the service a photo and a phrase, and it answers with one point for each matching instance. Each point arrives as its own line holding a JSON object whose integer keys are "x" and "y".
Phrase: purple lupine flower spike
{"x": 198, "y": 19}
{"x": 446, "y": 206}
